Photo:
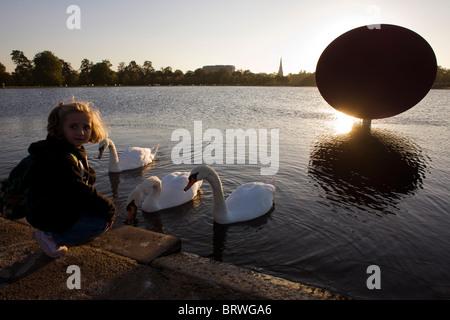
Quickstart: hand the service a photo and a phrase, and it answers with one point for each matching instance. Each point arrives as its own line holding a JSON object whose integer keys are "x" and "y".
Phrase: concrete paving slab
{"x": 141, "y": 245}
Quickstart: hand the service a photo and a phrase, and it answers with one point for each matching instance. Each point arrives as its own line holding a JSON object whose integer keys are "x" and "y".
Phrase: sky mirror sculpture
{"x": 375, "y": 72}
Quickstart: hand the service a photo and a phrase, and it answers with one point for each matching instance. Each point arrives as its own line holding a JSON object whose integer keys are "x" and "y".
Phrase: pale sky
{"x": 188, "y": 34}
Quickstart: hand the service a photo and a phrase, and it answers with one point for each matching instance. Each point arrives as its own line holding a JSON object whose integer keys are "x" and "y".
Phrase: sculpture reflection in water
{"x": 368, "y": 170}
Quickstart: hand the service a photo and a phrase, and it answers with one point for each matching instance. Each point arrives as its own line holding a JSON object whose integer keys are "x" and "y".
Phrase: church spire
{"x": 280, "y": 70}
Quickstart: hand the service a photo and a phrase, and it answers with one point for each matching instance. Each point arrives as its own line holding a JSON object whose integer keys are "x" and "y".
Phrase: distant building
{"x": 216, "y": 68}
{"x": 280, "y": 70}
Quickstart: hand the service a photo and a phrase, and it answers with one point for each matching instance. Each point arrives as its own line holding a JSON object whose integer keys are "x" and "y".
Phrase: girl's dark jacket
{"x": 62, "y": 187}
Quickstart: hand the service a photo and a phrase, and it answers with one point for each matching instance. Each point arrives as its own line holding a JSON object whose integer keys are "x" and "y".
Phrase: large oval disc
{"x": 376, "y": 73}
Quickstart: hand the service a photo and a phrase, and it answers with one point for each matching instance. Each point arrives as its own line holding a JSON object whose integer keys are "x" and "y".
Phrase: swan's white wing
{"x": 250, "y": 201}
{"x": 132, "y": 158}
{"x": 153, "y": 151}
{"x": 149, "y": 154}
{"x": 135, "y": 157}
{"x": 172, "y": 190}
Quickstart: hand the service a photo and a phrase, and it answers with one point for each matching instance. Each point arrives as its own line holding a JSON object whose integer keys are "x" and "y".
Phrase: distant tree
{"x": 200, "y": 76}
{"x": 5, "y": 77}
{"x": 135, "y": 73}
{"x": 121, "y": 67}
{"x": 47, "y": 69}
{"x": 22, "y": 75}
{"x": 101, "y": 74}
{"x": 70, "y": 76}
{"x": 85, "y": 69}
{"x": 261, "y": 79}
{"x": 220, "y": 77}
{"x": 243, "y": 77}
{"x": 310, "y": 80}
{"x": 236, "y": 77}
{"x": 167, "y": 75}
{"x": 107, "y": 62}
{"x": 189, "y": 78}
{"x": 178, "y": 77}
{"x": 303, "y": 78}
{"x": 132, "y": 74}
{"x": 149, "y": 72}
{"x": 158, "y": 77}
{"x": 442, "y": 78}
{"x": 121, "y": 73}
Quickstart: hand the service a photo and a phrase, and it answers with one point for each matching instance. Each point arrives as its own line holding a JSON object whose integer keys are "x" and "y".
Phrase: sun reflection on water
{"x": 342, "y": 123}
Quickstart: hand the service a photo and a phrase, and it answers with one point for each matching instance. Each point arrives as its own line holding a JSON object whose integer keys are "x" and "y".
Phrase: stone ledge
{"x": 138, "y": 244}
{"x": 250, "y": 283}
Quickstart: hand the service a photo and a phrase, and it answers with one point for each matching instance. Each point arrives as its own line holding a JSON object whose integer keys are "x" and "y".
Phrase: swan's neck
{"x": 220, "y": 211}
{"x": 139, "y": 192}
{"x": 113, "y": 158}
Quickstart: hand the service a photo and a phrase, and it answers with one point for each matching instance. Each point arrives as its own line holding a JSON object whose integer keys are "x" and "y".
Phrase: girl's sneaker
{"x": 48, "y": 245}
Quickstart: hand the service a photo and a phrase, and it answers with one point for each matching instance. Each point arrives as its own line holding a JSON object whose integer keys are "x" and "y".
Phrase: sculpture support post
{"x": 366, "y": 123}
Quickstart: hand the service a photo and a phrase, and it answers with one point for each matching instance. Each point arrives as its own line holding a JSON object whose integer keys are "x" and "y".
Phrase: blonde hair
{"x": 58, "y": 116}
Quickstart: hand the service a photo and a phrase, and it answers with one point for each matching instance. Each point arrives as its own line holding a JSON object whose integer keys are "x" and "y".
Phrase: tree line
{"x": 46, "y": 69}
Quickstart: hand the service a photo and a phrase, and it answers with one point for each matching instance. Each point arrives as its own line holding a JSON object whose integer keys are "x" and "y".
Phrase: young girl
{"x": 63, "y": 203}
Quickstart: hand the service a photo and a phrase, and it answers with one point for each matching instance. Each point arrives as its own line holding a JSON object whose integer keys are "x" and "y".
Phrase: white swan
{"x": 248, "y": 201}
{"x": 166, "y": 193}
{"x": 132, "y": 158}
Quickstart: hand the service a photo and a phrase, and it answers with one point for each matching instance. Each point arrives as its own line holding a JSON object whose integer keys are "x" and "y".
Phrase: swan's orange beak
{"x": 132, "y": 209}
{"x": 189, "y": 185}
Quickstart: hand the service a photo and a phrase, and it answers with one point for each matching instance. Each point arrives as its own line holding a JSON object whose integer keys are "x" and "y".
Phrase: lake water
{"x": 344, "y": 200}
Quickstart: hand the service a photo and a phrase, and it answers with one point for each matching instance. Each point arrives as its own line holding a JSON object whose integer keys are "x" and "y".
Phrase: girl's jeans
{"x": 85, "y": 229}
